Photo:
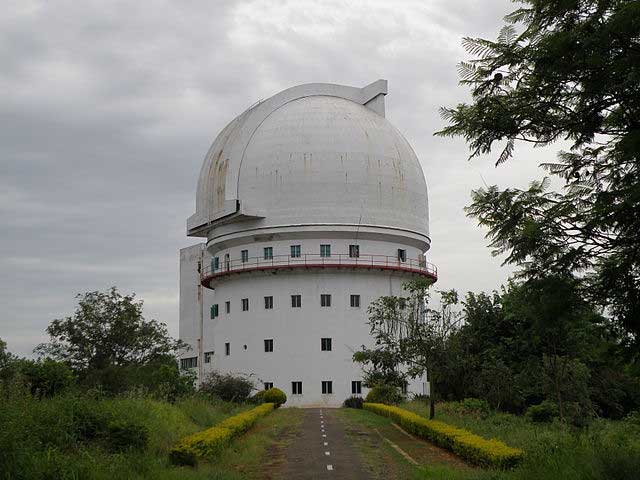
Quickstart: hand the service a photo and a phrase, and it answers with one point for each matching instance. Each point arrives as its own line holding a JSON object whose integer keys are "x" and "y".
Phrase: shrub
{"x": 475, "y": 449}
{"x": 353, "y": 402}
{"x": 387, "y": 394}
{"x": 228, "y": 387}
{"x": 208, "y": 443}
{"x": 275, "y": 396}
{"x": 46, "y": 378}
{"x": 126, "y": 435}
{"x": 542, "y": 413}
{"x": 475, "y": 407}
{"x": 88, "y": 421}
{"x": 258, "y": 398}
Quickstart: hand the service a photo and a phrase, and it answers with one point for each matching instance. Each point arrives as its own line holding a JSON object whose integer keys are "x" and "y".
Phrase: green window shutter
{"x": 213, "y": 313}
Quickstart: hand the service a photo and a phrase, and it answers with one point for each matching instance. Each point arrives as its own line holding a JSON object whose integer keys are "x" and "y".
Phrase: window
{"x": 296, "y": 388}
{"x": 227, "y": 261}
{"x": 268, "y": 385}
{"x": 325, "y": 250}
{"x": 296, "y": 301}
{"x": 268, "y": 253}
{"x": 207, "y": 357}
{"x": 191, "y": 362}
{"x": 227, "y": 349}
{"x": 402, "y": 255}
{"x": 325, "y": 344}
{"x": 245, "y": 304}
{"x": 214, "y": 311}
{"x": 355, "y": 301}
{"x": 327, "y": 387}
{"x": 215, "y": 263}
{"x": 356, "y": 387}
{"x": 354, "y": 251}
{"x": 325, "y": 300}
{"x": 268, "y": 303}
{"x": 295, "y": 251}
{"x": 244, "y": 254}
{"x": 227, "y": 307}
{"x": 404, "y": 387}
{"x": 268, "y": 345}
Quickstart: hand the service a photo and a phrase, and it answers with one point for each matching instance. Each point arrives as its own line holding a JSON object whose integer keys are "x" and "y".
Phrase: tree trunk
{"x": 432, "y": 404}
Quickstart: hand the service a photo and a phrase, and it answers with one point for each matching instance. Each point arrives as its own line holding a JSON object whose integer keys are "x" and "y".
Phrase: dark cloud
{"x": 108, "y": 108}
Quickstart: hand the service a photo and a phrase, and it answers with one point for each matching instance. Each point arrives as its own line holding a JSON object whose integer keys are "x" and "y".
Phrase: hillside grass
{"x": 56, "y": 438}
{"x": 604, "y": 450}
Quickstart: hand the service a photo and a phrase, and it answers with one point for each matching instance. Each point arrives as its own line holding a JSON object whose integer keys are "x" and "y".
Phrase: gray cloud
{"x": 107, "y": 110}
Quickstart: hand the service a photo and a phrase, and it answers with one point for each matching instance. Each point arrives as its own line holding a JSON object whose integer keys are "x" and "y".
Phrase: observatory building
{"x": 311, "y": 205}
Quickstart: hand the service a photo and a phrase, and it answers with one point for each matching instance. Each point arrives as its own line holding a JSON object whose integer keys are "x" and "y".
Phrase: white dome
{"x": 316, "y": 154}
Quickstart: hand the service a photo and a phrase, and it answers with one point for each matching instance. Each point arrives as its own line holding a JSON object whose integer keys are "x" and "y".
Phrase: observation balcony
{"x": 308, "y": 261}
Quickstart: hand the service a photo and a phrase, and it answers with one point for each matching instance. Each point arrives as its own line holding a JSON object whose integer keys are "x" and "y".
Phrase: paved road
{"x": 322, "y": 450}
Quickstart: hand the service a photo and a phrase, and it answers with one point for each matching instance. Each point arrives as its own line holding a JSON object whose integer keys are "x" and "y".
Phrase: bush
{"x": 258, "y": 398}
{"x": 275, "y": 396}
{"x": 208, "y": 443}
{"x": 126, "y": 435}
{"x": 353, "y": 402}
{"x": 475, "y": 407}
{"x": 475, "y": 449}
{"x": 46, "y": 378}
{"x": 542, "y": 413}
{"x": 387, "y": 394}
{"x": 228, "y": 387}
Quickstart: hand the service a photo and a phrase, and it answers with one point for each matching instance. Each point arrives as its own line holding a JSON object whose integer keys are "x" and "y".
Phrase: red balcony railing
{"x": 277, "y": 262}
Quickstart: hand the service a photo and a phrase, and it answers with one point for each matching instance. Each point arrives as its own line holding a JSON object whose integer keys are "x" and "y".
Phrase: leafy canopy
{"x": 108, "y": 330}
{"x": 563, "y": 70}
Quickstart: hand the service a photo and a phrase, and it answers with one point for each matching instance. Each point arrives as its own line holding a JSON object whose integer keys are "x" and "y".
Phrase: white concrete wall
{"x": 296, "y": 332}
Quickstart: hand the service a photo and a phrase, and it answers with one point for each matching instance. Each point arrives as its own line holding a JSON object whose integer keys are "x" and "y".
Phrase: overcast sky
{"x": 108, "y": 108}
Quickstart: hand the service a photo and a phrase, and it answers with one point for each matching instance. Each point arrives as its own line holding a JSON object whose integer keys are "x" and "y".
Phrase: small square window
{"x": 325, "y": 344}
{"x": 268, "y": 303}
{"x": 327, "y": 387}
{"x": 268, "y": 385}
{"x": 227, "y": 349}
{"x": 355, "y": 301}
{"x": 325, "y": 250}
{"x": 207, "y": 357}
{"x": 268, "y": 345}
{"x": 245, "y": 304}
{"x": 227, "y": 306}
{"x": 356, "y": 387}
{"x": 268, "y": 253}
{"x": 296, "y": 388}
{"x": 244, "y": 254}
{"x": 325, "y": 300}
{"x": 215, "y": 263}
{"x": 354, "y": 251}
{"x": 295, "y": 251}
{"x": 402, "y": 255}
{"x": 296, "y": 301}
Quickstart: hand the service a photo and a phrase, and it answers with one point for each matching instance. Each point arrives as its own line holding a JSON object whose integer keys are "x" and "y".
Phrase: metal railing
{"x": 310, "y": 260}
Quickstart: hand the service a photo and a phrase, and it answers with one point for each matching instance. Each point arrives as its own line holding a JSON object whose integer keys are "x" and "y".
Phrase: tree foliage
{"x": 108, "y": 330}
{"x": 410, "y": 338}
{"x": 566, "y": 71}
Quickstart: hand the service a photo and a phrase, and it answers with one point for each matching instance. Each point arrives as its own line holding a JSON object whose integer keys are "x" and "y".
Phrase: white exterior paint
{"x": 314, "y": 165}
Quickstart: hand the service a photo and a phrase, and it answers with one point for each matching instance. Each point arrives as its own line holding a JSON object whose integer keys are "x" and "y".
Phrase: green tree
{"x": 569, "y": 71}
{"x": 410, "y": 338}
{"x": 108, "y": 330}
